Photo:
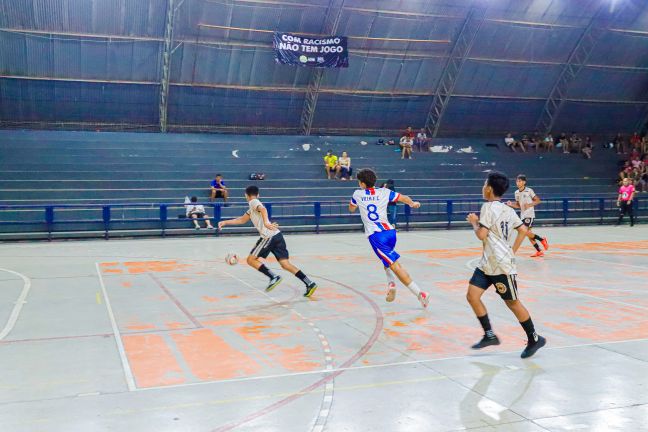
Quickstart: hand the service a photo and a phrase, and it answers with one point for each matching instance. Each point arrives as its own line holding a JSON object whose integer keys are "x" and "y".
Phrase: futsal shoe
{"x": 545, "y": 243}
{"x": 537, "y": 254}
{"x": 486, "y": 341}
{"x": 534, "y": 346}
{"x": 273, "y": 283}
{"x": 310, "y": 289}
{"x": 391, "y": 292}
{"x": 424, "y": 298}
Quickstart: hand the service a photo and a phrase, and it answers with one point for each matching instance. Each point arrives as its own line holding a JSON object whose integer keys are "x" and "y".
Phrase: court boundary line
{"x": 18, "y": 305}
{"x": 128, "y": 373}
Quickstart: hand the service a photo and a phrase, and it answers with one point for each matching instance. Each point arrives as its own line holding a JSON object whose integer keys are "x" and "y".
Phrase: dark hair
{"x": 329, "y": 151}
{"x": 194, "y": 199}
{"x": 521, "y": 177}
{"x": 498, "y": 182}
{"x": 366, "y": 176}
{"x": 252, "y": 190}
{"x": 219, "y": 175}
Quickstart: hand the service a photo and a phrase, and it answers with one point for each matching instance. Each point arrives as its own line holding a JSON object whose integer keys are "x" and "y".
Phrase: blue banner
{"x": 308, "y": 51}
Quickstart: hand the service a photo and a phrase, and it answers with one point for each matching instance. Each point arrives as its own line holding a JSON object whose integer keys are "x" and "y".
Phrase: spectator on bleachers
{"x": 619, "y": 143}
{"x": 526, "y": 142}
{"x": 409, "y": 133}
{"x": 549, "y": 142}
{"x": 218, "y": 189}
{"x": 511, "y": 143}
{"x": 537, "y": 141}
{"x": 563, "y": 142}
{"x": 422, "y": 141}
{"x": 331, "y": 165}
{"x": 644, "y": 145}
{"x": 635, "y": 141}
{"x": 575, "y": 142}
{"x": 392, "y": 209}
{"x": 195, "y": 212}
{"x": 406, "y": 144}
{"x": 587, "y": 147}
{"x": 344, "y": 162}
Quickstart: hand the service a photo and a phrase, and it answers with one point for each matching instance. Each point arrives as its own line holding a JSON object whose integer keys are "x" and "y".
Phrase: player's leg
{"x": 391, "y": 285}
{"x": 622, "y": 211}
{"x": 411, "y": 285}
{"x": 280, "y": 251}
{"x": 630, "y": 212}
{"x": 261, "y": 250}
{"x": 506, "y": 286}
{"x": 477, "y": 286}
{"x": 533, "y": 237}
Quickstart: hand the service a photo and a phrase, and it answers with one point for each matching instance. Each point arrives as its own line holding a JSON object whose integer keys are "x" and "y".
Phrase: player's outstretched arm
{"x": 522, "y": 230}
{"x": 480, "y": 231}
{"x": 238, "y": 221}
{"x": 407, "y": 200}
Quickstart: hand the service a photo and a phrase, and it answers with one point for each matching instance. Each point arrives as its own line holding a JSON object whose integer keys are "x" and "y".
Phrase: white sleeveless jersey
{"x": 373, "y": 208}
{"x": 525, "y": 197}
{"x": 501, "y": 221}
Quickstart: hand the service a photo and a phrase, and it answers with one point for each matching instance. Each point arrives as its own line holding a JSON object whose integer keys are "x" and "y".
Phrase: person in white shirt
{"x": 196, "y": 212}
{"x": 406, "y": 145}
{"x": 271, "y": 240}
{"x": 526, "y": 200}
{"x": 422, "y": 141}
{"x": 511, "y": 143}
{"x": 494, "y": 227}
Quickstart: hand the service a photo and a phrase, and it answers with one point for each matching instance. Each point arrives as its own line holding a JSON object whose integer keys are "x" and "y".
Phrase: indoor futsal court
{"x": 163, "y": 335}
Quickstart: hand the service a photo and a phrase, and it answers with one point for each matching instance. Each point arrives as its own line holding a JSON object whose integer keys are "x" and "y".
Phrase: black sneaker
{"x": 273, "y": 283}
{"x": 531, "y": 348}
{"x": 310, "y": 289}
{"x": 486, "y": 341}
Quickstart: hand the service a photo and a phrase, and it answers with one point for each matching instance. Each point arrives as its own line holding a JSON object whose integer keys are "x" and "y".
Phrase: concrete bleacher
{"x": 60, "y": 168}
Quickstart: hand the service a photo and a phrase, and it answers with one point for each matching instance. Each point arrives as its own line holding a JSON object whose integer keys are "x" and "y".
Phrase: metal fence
{"x": 161, "y": 219}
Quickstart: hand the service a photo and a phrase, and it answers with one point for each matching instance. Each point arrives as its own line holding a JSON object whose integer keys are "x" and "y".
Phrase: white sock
{"x": 414, "y": 288}
{"x": 391, "y": 277}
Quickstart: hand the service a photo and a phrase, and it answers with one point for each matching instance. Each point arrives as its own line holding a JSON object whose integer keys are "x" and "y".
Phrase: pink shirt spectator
{"x": 626, "y": 192}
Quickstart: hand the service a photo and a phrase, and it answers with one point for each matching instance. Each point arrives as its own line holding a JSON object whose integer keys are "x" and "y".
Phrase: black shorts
{"x": 220, "y": 193}
{"x": 528, "y": 222}
{"x": 275, "y": 244}
{"x": 198, "y": 215}
{"x": 505, "y": 285}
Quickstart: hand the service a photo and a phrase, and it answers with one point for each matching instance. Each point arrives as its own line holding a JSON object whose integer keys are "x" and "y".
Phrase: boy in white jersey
{"x": 526, "y": 200}
{"x": 382, "y": 235}
{"x": 494, "y": 227}
{"x": 271, "y": 241}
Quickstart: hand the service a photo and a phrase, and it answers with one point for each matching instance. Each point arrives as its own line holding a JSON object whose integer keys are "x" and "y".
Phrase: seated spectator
{"x": 587, "y": 148}
{"x": 526, "y": 142}
{"x": 625, "y": 172}
{"x": 511, "y": 143}
{"x": 331, "y": 165}
{"x": 644, "y": 145}
{"x": 635, "y": 141}
{"x": 642, "y": 184}
{"x": 422, "y": 141}
{"x": 197, "y": 211}
{"x": 344, "y": 164}
{"x": 563, "y": 142}
{"x": 409, "y": 133}
{"x": 575, "y": 142}
{"x": 406, "y": 144}
{"x": 549, "y": 142}
{"x": 218, "y": 189}
{"x": 619, "y": 143}
{"x": 536, "y": 141}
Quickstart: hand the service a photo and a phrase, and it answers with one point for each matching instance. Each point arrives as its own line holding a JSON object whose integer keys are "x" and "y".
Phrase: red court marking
{"x": 209, "y": 299}
{"x": 365, "y": 348}
{"x": 151, "y": 360}
{"x": 137, "y": 267}
{"x": 211, "y": 358}
{"x": 140, "y": 327}
{"x": 180, "y": 306}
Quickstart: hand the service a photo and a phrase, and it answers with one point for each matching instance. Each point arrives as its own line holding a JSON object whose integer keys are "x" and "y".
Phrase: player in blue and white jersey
{"x": 373, "y": 204}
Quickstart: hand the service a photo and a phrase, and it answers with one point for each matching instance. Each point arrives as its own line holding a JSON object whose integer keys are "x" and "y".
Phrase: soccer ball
{"x": 231, "y": 259}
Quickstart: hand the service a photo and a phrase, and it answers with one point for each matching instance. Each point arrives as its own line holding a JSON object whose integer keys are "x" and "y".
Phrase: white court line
{"x": 385, "y": 365}
{"x": 606, "y": 262}
{"x": 128, "y": 373}
{"x": 15, "y": 312}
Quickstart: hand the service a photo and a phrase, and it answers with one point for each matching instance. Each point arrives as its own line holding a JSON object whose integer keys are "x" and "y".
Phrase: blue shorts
{"x": 383, "y": 244}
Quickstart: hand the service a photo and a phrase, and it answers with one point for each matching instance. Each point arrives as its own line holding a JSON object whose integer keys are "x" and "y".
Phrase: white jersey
{"x": 195, "y": 208}
{"x": 525, "y": 197}
{"x": 373, "y": 208}
{"x": 501, "y": 221}
{"x": 257, "y": 219}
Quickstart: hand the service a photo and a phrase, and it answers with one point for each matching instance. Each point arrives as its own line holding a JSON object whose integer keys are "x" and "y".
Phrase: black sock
{"x": 529, "y": 329}
{"x": 300, "y": 274}
{"x": 266, "y": 271}
{"x": 535, "y": 245}
{"x": 485, "y": 323}
{"x": 537, "y": 237}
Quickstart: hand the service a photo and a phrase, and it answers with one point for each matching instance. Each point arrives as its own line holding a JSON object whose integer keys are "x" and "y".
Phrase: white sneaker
{"x": 424, "y": 299}
{"x": 391, "y": 292}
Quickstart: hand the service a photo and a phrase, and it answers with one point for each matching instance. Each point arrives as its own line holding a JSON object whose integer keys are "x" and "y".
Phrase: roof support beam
{"x": 167, "y": 53}
{"x": 331, "y": 22}
{"x": 450, "y": 74}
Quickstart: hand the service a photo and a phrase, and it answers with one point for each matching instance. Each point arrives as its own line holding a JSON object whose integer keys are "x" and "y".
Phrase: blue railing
{"x": 162, "y": 218}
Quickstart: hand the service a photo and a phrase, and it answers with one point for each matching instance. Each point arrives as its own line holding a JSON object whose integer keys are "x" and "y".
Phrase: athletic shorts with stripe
{"x": 383, "y": 244}
{"x": 275, "y": 244}
{"x": 505, "y": 285}
{"x": 528, "y": 222}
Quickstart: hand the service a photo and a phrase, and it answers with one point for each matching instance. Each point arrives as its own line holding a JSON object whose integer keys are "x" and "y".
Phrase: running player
{"x": 494, "y": 227}
{"x": 526, "y": 200}
{"x": 382, "y": 235}
{"x": 271, "y": 241}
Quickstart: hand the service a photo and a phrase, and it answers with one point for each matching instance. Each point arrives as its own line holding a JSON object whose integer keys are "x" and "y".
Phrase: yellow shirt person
{"x": 330, "y": 164}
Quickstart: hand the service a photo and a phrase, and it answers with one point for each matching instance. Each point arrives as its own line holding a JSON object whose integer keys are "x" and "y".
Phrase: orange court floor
{"x": 163, "y": 335}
